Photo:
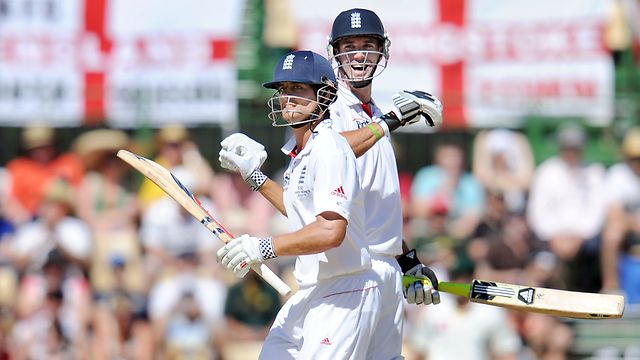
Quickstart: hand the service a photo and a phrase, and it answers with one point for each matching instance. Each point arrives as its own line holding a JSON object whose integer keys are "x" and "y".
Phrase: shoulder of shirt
{"x": 327, "y": 137}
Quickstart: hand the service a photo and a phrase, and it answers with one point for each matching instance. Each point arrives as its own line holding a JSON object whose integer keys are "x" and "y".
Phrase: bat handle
{"x": 410, "y": 279}
{"x": 459, "y": 289}
{"x": 270, "y": 277}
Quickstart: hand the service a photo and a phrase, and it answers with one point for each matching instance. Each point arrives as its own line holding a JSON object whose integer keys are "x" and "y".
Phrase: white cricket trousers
{"x": 387, "y": 336}
{"x": 334, "y": 319}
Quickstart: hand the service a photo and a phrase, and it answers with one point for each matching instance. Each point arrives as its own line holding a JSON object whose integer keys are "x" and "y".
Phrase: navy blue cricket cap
{"x": 302, "y": 66}
{"x": 356, "y": 22}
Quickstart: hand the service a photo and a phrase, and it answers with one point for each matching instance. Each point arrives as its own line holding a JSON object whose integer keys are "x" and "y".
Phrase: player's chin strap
{"x": 361, "y": 84}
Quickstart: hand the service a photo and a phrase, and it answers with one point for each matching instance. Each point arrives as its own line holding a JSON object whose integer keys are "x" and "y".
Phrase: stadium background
{"x": 140, "y": 65}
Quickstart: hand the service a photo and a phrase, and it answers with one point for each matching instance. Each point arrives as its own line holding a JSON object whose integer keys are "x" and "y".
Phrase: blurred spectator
{"x": 175, "y": 149}
{"x": 53, "y": 297}
{"x": 250, "y": 309}
{"x": 621, "y": 235}
{"x": 502, "y": 243}
{"x": 545, "y": 336}
{"x": 52, "y": 312}
{"x": 167, "y": 294}
{"x": 55, "y": 230}
{"x": 8, "y": 276}
{"x": 236, "y": 203}
{"x": 167, "y": 229}
{"x": 448, "y": 180}
{"x": 503, "y": 160}
{"x": 120, "y": 324}
{"x": 32, "y": 172}
{"x": 566, "y": 207}
{"x": 434, "y": 244}
{"x": 188, "y": 335}
{"x": 6, "y": 227}
{"x": 110, "y": 209}
{"x": 459, "y": 329}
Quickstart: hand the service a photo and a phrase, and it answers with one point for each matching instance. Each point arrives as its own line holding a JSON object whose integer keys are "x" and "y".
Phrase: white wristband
{"x": 383, "y": 125}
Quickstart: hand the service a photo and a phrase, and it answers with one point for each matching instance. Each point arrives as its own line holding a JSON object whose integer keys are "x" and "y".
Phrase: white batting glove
{"x": 240, "y": 253}
{"x": 427, "y": 105}
{"x": 244, "y": 155}
{"x": 418, "y": 292}
{"x": 241, "y": 144}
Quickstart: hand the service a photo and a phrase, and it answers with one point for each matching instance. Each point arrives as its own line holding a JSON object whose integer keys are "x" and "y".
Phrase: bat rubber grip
{"x": 270, "y": 277}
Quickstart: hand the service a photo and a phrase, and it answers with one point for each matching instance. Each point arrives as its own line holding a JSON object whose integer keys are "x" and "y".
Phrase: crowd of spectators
{"x": 97, "y": 263}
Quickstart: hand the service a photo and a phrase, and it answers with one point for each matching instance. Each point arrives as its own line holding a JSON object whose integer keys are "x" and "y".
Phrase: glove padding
{"x": 420, "y": 293}
{"x": 413, "y": 103}
{"x": 239, "y": 254}
{"x": 241, "y": 154}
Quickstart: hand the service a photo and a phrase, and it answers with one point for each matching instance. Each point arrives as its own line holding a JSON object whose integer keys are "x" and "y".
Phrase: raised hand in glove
{"x": 410, "y": 105}
{"x": 418, "y": 292}
{"x": 240, "y": 253}
{"x": 430, "y": 106}
{"x": 244, "y": 155}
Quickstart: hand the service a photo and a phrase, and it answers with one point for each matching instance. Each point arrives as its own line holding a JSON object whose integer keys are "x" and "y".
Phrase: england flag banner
{"x": 491, "y": 62}
{"x": 128, "y": 63}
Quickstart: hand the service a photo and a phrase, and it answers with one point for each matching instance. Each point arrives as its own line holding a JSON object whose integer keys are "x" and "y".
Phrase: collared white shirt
{"x": 378, "y": 175}
{"x": 623, "y": 188}
{"x": 323, "y": 177}
{"x": 566, "y": 200}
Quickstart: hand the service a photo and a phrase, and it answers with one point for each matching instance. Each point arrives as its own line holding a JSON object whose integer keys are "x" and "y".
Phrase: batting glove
{"x": 430, "y": 106}
{"x": 410, "y": 105}
{"x": 240, "y": 253}
{"x": 419, "y": 292}
{"x": 244, "y": 155}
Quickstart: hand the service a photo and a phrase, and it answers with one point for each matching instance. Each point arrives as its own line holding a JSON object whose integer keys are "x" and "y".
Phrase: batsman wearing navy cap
{"x": 359, "y": 49}
{"x": 335, "y": 312}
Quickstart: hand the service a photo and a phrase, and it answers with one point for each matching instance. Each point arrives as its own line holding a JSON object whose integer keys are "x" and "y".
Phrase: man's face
{"x": 297, "y": 101}
{"x": 358, "y": 56}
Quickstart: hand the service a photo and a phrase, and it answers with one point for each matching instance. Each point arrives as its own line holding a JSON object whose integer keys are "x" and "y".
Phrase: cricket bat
{"x": 164, "y": 179}
{"x": 572, "y": 304}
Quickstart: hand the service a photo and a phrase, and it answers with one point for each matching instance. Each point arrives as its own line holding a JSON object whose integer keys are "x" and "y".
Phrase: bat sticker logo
{"x": 487, "y": 290}
{"x": 526, "y": 295}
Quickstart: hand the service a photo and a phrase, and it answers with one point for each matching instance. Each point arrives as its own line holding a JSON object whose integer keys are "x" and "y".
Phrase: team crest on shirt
{"x": 339, "y": 192}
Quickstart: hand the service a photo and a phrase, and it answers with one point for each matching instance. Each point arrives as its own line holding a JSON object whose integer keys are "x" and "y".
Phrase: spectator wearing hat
{"x": 108, "y": 207}
{"x": 174, "y": 148}
{"x": 167, "y": 229}
{"x": 447, "y": 180}
{"x": 566, "y": 208}
{"x": 503, "y": 160}
{"x": 32, "y": 172}
{"x": 621, "y": 235}
{"x": 52, "y": 254}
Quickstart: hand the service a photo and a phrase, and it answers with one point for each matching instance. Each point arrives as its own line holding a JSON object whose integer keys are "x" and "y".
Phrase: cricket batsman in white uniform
{"x": 359, "y": 48}
{"x": 335, "y": 312}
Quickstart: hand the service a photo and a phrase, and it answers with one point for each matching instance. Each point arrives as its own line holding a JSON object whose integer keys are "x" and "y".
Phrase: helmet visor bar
{"x": 359, "y": 65}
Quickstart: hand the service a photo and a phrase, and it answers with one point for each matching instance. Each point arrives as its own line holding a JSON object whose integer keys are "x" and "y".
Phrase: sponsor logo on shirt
{"x": 361, "y": 122}
{"x": 339, "y": 192}
{"x": 325, "y": 341}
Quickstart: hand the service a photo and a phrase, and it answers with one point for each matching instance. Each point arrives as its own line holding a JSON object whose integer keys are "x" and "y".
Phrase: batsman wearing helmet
{"x": 334, "y": 313}
{"x": 359, "y": 49}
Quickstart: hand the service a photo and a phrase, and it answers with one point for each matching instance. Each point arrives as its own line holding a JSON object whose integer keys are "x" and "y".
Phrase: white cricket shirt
{"x": 323, "y": 177}
{"x": 622, "y": 186}
{"x": 378, "y": 176}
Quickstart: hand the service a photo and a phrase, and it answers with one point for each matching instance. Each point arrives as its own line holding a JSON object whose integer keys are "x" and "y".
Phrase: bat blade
{"x": 572, "y": 304}
{"x": 165, "y": 180}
